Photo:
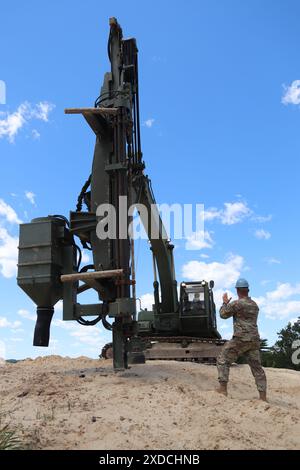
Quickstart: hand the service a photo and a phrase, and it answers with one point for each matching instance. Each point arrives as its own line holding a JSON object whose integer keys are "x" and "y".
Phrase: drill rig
{"x": 49, "y": 264}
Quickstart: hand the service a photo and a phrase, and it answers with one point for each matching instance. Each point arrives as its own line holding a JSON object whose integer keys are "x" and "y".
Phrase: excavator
{"x": 181, "y": 327}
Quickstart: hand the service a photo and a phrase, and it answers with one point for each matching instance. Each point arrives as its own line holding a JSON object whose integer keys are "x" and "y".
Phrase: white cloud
{"x": 4, "y": 323}
{"x": 25, "y": 314}
{"x": 65, "y": 325}
{"x": 224, "y": 274}
{"x": 8, "y": 242}
{"x": 279, "y": 303}
{"x": 8, "y": 253}
{"x": 17, "y": 330}
{"x": 35, "y": 134}
{"x": 68, "y": 325}
{"x": 283, "y": 291}
{"x": 13, "y": 122}
{"x": 53, "y": 343}
{"x": 204, "y": 256}
{"x": 30, "y": 196}
{"x": 232, "y": 213}
{"x": 262, "y": 218}
{"x": 199, "y": 240}
{"x": 8, "y": 213}
{"x": 149, "y": 122}
{"x": 262, "y": 234}
{"x": 281, "y": 310}
{"x": 273, "y": 261}
{"x": 264, "y": 282}
{"x": 88, "y": 335}
{"x": 147, "y": 300}
{"x": 42, "y": 110}
{"x": 91, "y": 336}
{"x": 212, "y": 213}
{"x": 2, "y": 92}
{"x": 291, "y": 93}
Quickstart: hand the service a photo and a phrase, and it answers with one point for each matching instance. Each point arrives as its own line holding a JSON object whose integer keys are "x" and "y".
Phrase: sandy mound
{"x": 62, "y": 403}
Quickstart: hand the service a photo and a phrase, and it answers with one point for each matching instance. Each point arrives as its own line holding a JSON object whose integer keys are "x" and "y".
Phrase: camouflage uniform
{"x": 245, "y": 340}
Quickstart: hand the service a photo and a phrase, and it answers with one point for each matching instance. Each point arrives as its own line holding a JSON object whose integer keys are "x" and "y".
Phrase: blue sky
{"x": 220, "y": 112}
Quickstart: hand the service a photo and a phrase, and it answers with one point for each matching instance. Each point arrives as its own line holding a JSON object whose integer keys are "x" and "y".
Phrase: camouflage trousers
{"x": 250, "y": 350}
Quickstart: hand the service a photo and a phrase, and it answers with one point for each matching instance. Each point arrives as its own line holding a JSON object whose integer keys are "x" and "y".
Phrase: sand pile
{"x": 63, "y": 403}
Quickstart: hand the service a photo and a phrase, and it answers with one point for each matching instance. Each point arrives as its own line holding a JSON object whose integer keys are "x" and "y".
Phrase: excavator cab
{"x": 197, "y": 311}
{"x": 192, "y": 297}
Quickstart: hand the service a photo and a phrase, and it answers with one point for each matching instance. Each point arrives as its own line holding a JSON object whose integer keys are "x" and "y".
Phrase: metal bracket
{"x": 88, "y": 310}
{"x": 95, "y": 117}
{"x": 124, "y": 306}
{"x": 116, "y": 166}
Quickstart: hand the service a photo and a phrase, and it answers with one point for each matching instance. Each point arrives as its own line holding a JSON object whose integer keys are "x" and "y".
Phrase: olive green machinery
{"x": 49, "y": 265}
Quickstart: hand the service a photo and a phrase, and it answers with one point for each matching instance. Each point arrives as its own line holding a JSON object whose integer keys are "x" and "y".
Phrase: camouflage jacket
{"x": 244, "y": 312}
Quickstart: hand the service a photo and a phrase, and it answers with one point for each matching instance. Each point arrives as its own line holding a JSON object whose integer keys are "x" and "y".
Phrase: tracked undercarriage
{"x": 185, "y": 348}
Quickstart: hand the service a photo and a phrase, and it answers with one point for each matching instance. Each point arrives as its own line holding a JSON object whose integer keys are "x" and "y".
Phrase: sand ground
{"x": 63, "y": 403}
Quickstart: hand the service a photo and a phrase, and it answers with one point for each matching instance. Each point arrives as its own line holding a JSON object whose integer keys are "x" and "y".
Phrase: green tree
{"x": 284, "y": 352}
{"x": 266, "y": 354}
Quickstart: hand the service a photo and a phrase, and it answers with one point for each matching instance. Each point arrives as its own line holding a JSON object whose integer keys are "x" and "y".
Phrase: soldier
{"x": 245, "y": 340}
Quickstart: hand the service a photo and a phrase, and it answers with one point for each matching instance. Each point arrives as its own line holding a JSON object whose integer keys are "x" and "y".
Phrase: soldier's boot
{"x": 222, "y": 388}
{"x": 263, "y": 396}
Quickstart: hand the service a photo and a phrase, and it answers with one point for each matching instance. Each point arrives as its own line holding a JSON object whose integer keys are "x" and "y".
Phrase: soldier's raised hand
{"x": 225, "y": 298}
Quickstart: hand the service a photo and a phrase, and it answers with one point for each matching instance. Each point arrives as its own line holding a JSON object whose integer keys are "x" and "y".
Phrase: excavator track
{"x": 178, "y": 348}
{"x": 184, "y": 348}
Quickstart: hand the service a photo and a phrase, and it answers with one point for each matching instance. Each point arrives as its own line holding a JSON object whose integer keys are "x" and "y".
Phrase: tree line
{"x": 285, "y": 353}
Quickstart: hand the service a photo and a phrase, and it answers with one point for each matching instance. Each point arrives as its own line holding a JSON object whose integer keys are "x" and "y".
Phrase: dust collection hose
{"x": 42, "y": 326}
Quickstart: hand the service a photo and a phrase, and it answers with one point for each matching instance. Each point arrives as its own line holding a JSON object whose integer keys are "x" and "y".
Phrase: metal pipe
{"x": 91, "y": 110}
{"x": 91, "y": 275}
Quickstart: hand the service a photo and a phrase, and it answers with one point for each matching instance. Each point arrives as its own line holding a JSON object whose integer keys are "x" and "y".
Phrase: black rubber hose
{"x": 42, "y": 326}
{"x": 81, "y": 320}
{"x": 58, "y": 216}
{"x": 105, "y": 323}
